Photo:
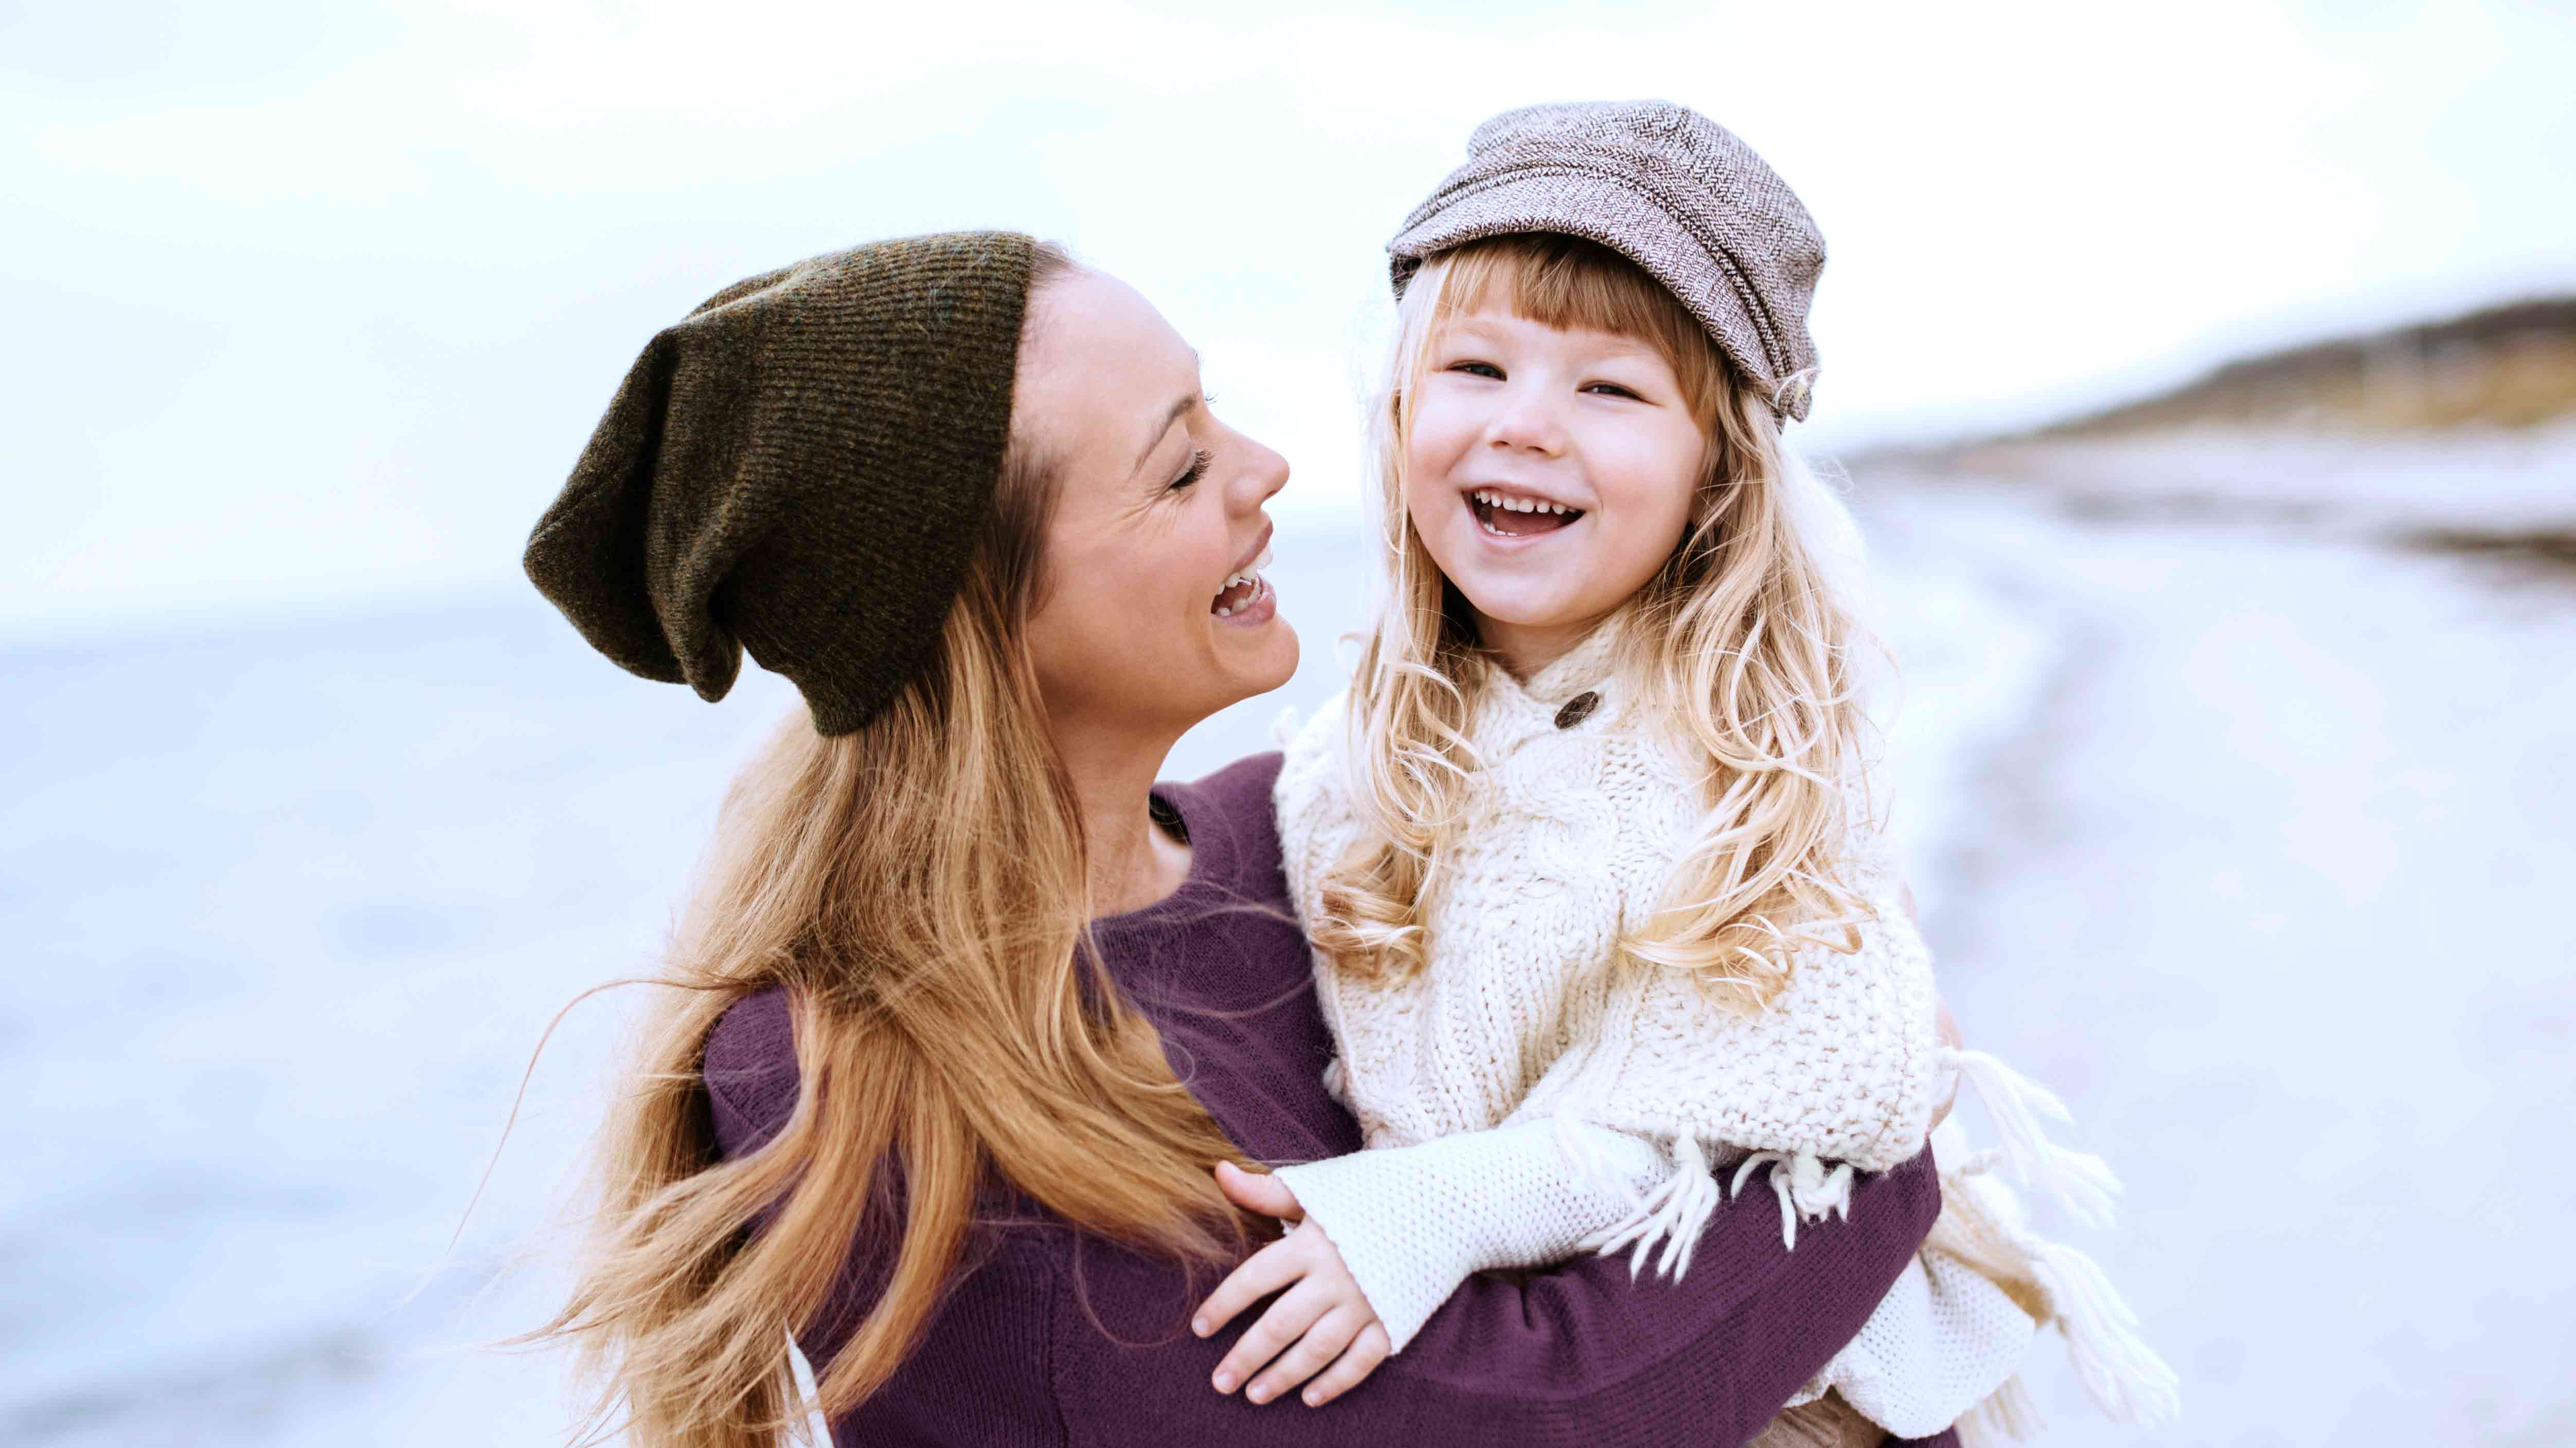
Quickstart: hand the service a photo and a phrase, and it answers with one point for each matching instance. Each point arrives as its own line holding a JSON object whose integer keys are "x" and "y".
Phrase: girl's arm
{"x": 1411, "y": 1223}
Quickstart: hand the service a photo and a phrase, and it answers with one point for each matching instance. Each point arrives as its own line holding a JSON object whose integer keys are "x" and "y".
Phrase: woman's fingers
{"x": 1261, "y": 1274}
{"x": 1258, "y": 1192}
{"x": 1367, "y": 1350}
{"x": 1285, "y": 1322}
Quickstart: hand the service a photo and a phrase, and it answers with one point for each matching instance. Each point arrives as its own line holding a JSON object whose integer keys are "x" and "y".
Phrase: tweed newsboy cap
{"x": 1668, "y": 188}
{"x": 800, "y": 468}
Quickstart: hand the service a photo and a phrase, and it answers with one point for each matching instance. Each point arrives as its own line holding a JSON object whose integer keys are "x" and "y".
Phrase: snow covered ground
{"x": 2242, "y": 831}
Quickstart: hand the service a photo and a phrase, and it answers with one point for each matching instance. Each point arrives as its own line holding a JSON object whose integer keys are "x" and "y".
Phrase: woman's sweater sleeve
{"x": 1578, "y": 1355}
{"x": 1413, "y": 1222}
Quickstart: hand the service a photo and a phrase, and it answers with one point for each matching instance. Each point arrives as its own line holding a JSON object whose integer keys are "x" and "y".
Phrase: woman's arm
{"x": 1575, "y": 1355}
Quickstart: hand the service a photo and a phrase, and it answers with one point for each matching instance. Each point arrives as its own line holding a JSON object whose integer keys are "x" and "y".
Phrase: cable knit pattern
{"x": 1526, "y": 1094}
{"x": 1522, "y": 1015}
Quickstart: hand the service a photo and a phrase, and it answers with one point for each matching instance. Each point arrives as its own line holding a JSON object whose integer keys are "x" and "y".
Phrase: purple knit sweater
{"x": 1053, "y": 1337}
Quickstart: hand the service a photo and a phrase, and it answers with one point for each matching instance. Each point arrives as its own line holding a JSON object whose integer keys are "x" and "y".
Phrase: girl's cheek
{"x": 1424, "y": 469}
{"x": 1439, "y": 432}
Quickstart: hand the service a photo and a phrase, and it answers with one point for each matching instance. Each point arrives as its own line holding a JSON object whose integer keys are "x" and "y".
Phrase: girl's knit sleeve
{"x": 1413, "y": 1222}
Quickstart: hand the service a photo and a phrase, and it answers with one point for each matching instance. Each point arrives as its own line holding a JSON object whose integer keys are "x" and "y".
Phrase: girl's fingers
{"x": 1367, "y": 1350}
{"x": 1258, "y": 1192}
{"x": 1261, "y": 1274}
{"x": 1311, "y": 1354}
{"x": 1285, "y": 1322}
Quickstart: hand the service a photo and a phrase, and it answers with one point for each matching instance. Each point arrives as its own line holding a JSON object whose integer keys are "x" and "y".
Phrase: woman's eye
{"x": 1196, "y": 470}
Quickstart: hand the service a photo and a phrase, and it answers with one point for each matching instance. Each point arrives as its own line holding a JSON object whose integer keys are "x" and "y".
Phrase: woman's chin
{"x": 1258, "y": 653}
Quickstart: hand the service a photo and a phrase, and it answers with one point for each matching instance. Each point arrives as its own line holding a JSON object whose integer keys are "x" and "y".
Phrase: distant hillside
{"x": 2456, "y": 437}
{"x": 2510, "y": 366}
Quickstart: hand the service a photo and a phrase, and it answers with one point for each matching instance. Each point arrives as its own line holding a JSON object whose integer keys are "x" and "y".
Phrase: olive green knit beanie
{"x": 800, "y": 468}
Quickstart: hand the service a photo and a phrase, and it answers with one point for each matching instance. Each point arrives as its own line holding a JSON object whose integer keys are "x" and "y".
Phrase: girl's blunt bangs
{"x": 1572, "y": 284}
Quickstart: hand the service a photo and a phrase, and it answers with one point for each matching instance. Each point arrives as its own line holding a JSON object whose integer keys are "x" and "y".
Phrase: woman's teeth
{"x": 1243, "y": 590}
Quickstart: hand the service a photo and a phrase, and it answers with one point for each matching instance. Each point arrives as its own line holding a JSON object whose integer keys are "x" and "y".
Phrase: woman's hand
{"x": 1323, "y": 1313}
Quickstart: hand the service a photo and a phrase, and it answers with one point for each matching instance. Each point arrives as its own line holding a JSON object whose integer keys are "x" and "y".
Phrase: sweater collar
{"x": 1584, "y": 668}
{"x": 1510, "y": 712}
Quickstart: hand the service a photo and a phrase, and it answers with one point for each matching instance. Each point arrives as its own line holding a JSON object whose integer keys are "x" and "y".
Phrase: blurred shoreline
{"x": 2228, "y": 756}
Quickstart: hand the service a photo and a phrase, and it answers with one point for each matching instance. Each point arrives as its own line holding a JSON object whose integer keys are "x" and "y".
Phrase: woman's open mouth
{"x": 1245, "y": 591}
{"x": 1513, "y": 515}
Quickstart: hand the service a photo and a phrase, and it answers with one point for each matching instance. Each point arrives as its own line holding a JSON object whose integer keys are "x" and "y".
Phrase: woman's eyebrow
{"x": 1180, "y": 408}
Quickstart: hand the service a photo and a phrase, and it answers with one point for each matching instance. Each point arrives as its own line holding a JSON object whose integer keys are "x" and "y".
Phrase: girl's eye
{"x": 1613, "y": 389}
{"x": 1197, "y": 469}
{"x": 1477, "y": 369}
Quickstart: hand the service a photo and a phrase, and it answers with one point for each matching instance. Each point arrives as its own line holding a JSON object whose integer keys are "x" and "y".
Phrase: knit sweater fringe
{"x": 1418, "y": 1059}
{"x": 2062, "y": 1286}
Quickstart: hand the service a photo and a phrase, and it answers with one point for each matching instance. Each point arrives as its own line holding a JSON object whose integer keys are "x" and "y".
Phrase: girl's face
{"x": 1549, "y": 473}
{"x": 1153, "y": 614}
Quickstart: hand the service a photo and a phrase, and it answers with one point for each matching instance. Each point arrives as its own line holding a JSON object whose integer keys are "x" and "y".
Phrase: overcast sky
{"x": 309, "y": 303}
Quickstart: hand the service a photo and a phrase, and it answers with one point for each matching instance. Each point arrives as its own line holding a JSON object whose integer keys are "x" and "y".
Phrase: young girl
{"x": 1590, "y": 853}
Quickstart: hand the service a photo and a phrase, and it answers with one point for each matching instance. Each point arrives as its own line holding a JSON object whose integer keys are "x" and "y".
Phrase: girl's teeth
{"x": 1519, "y": 505}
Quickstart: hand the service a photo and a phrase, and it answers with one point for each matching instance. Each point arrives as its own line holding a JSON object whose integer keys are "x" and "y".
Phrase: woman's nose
{"x": 1265, "y": 473}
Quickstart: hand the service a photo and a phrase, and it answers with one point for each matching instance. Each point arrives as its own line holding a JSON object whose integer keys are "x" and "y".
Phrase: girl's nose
{"x": 1524, "y": 421}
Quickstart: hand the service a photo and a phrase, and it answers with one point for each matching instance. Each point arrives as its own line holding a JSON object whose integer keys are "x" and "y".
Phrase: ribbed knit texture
{"x": 1052, "y": 1338}
{"x": 1677, "y": 193}
{"x": 798, "y": 468}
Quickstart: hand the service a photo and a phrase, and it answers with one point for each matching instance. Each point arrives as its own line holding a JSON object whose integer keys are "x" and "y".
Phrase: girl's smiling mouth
{"x": 1507, "y": 514}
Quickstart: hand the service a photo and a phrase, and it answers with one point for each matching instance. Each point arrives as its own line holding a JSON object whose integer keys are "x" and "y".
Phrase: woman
{"x": 968, "y": 1005}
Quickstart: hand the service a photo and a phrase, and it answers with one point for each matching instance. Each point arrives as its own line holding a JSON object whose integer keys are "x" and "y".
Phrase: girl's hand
{"x": 1323, "y": 1312}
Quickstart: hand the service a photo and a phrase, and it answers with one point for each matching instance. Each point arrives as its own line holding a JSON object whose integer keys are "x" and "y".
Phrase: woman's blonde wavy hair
{"x": 919, "y": 889}
{"x": 1744, "y": 640}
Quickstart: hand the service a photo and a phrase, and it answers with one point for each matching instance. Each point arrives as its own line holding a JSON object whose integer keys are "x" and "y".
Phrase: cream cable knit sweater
{"x": 1529, "y": 1101}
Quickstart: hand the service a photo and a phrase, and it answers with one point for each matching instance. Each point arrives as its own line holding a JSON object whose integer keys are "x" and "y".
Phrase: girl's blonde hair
{"x": 919, "y": 889}
{"x": 1744, "y": 640}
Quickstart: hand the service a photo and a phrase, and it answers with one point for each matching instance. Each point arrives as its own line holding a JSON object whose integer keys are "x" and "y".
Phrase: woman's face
{"x": 1154, "y": 615}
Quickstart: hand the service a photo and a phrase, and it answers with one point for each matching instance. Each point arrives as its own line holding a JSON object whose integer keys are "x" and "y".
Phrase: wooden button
{"x": 1577, "y": 709}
